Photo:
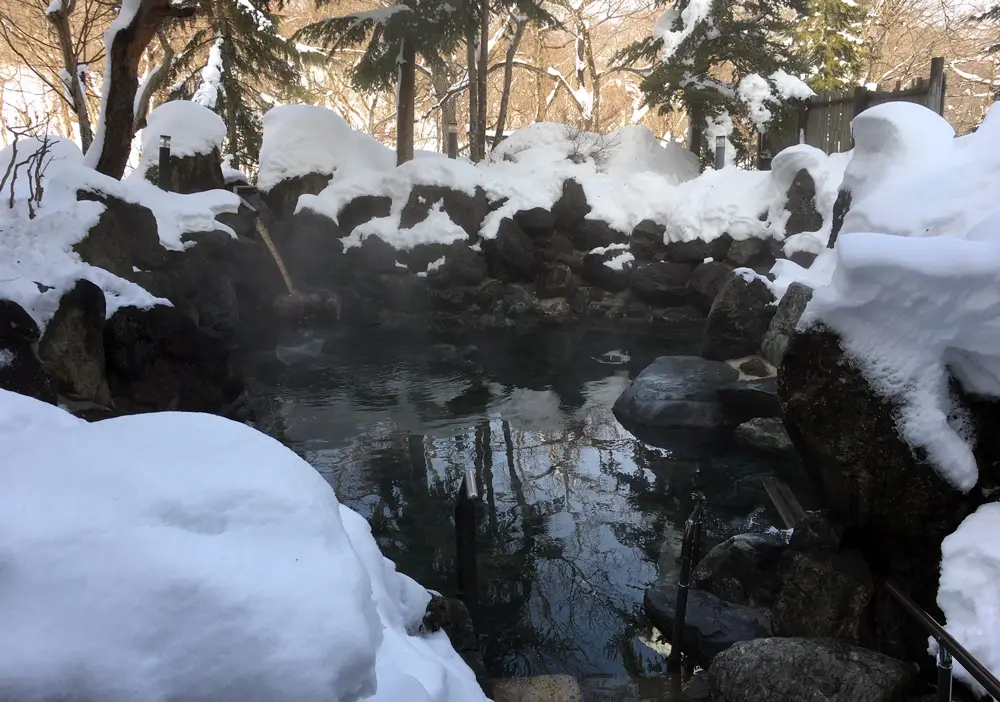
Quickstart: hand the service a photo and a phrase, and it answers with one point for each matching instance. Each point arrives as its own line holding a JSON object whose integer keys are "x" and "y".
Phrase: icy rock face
{"x": 183, "y": 556}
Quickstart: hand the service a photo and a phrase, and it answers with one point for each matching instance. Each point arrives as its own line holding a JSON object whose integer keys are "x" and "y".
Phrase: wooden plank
{"x": 784, "y": 500}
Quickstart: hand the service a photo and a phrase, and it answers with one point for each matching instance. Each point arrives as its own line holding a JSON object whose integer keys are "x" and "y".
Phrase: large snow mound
{"x": 968, "y": 594}
{"x": 54, "y": 151}
{"x": 184, "y": 556}
{"x": 193, "y": 129}
{"x": 303, "y": 139}
{"x": 919, "y": 301}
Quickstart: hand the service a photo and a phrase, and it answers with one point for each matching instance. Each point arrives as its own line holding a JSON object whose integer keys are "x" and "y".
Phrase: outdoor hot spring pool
{"x": 578, "y": 517}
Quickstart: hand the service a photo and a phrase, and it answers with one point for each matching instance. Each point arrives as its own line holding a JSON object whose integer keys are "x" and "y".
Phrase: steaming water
{"x": 578, "y": 517}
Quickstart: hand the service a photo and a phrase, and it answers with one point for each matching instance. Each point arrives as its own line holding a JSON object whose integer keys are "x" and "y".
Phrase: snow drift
{"x": 914, "y": 281}
{"x": 217, "y": 567}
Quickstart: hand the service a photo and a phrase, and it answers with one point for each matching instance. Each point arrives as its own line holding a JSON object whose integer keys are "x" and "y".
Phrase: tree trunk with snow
{"x": 59, "y": 19}
{"x": 470, "y": 55}
{"x": 541, "y": 100}
{"x": 508, "y": 79}
{"x": 405, "y": 106}
{"x": 483, "y": 75}
{"x": 152, "y": 83}
{"x": 137, "y": 23}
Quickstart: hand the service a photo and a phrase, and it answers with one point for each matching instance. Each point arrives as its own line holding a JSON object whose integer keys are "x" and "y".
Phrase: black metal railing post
{"x": 452, "y": 140}
{"x": 163, "y": 176}
{"x": 689, "y": 549}
{"x": 944, "y": 674}
{"x": 465, "y": 543}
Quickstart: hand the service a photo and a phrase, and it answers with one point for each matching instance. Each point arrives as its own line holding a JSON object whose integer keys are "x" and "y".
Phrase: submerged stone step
{"x": 540, "y": 688}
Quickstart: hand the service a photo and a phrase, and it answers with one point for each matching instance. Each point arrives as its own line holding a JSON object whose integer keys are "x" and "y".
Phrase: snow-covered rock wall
{"x": 215, "y": 567}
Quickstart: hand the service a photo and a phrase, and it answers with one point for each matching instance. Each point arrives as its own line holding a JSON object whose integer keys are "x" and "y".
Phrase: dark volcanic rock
{"x": 840, "y": 209}
{"x": 696, "y": 251}
{"x": 646, "y": 242}
{"x": 467, "y": 211}
{"x": 361, "y": 209}
{"x": 662, "y": 284}
{"x": 738, "y": 320}
{"x": 747, "y": 399}
{"x": 801, "y": 205}
{"x": 797, "y": 670}
{"x": 571, "y": 207}
{"x": 512, "y": 256}
{"x": 312, "y": 250}
{"x": 743, "y": 569}
{"x": 536, "y": 222}
{"x": 893, "y": 504}
{"x": 556, "y": 281}
{"x": 676, "y": 391}
{"x": 817, "y": 531}
{"x": 707, "y": 280}
{"x": 767, "y": 434}
{"x": 374, "y": 256}
{"x": 782, "y": 326}
{"x": 73, "y": 344}
{"x": 462, "y": 266}
{"x": 754, "y": 367}
{"x": 158, "y": 359}
{"x": 590, "y": 234}
{"x": 192, "y": 174}
{"x": 125, "y": 237}
{"x": 711, "y": 624}
{"x": 748, "y": 253}
{"x": 283, "y": 198}
{"x": 21, "y": 371}
{"x": 597, "y": 272}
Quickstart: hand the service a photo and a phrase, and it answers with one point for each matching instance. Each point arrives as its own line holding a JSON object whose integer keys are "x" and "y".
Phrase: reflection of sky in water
{"x": 575, "y": 510}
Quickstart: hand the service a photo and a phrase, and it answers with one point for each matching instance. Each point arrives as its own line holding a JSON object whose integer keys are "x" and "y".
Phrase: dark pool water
{"x": 578, "y": 517}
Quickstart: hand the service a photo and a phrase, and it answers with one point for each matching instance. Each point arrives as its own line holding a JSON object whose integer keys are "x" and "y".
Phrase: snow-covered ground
{"x": 221, "y": 567}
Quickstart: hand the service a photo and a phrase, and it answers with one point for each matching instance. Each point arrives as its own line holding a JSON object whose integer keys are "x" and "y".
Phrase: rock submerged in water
{"x": 743, "y": 570}
{"x": 767, "y": 434}
{"x": 711, "y": 624}
{"x": 675, "y": 392}
{"x": 799, "y": 670}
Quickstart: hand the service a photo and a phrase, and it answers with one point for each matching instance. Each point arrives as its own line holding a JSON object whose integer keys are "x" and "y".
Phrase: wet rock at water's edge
{"x": 767, "y": 434}
{"x": 786, "y": 318}
{"x": 706, "y": 281}
{"x": 797, "y": 670}
{"x": 744, "y": 570}
{"x": 711, "y": 625}
{"x": 676, "y": 391}
{"x": 749, "y": 399}
{"x": 739, "y": 318}
{"x": 21, "y": 370}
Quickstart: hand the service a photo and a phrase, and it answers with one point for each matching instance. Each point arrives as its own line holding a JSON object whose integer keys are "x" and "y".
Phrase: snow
{"x": 140, "y": 568}
{"x": 126, "y": 14}
{"x": 914, "y": 280}
{"x": 54, "y": 7}
{"x": 968, "y": 595}
{"x": 59, "y": 152}
{"x": 207, "y": 93}
{"x": 263, "y": 23}
{"x": 437, "y": 228}
{"x": 827, "y": 173}
{"x": 303, "y": 139}
{"x": 193, "y": 129}
{"x": 756, "y": 93}
{"x": 720, "y": 125}
{"x": 694, "y": 13}
{"x": 789, "y": 87}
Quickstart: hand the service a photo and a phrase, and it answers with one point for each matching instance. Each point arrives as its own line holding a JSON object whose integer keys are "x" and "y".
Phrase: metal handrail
{"x": 948, "y": 647}
{"x": 690, "y": 551}
{"x": 465, "y": 544}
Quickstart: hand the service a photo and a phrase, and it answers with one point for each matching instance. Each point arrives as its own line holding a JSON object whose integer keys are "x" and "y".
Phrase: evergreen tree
{"x": 829, "y": 39}
{"x": 232, "y": 59}
{"x": 722, "y": 60}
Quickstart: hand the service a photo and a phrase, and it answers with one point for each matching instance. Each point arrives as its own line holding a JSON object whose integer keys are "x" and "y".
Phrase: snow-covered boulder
{"x": 183, "y": 556}
{"x": 196, "y": 135}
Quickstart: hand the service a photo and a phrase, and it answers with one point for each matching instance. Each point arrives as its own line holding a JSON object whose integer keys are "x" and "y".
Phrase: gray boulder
{"x": 801, "y": 206}
{"x": 767, "y": 434}
{"x": 711, "y": 625}
{"x": 749, "y": 252}
{"x": 73, "y": 344}
{"x": 21, "y": 371}
{"x": 707, "y": 281}
{"x": 783, "y": 324}
{"x": 646, "y": 242}
{"x": 662, "y": 283}
{"x": 807, "y": 670}
{"x": 676, "y": 391}
{"x": 748, "y": 399}
{"x": 738, "y": 320}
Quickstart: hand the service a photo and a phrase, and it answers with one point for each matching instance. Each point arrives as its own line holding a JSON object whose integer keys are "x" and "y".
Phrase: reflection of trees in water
{"x": 568, "y": 535}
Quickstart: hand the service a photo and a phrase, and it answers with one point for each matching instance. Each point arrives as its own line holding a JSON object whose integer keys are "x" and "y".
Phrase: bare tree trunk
{"x": 442, "y": 80}
{"x": 60, "y": 23}
{"x": 588, "y": 46}
{"x": 541, "y": 107}
{"x": 112, "y": 144}
{"x": 406, "y": 104}
{"x": 152, "y": 83}
{"x": 508, "y": 79}
{"x": 470, "y": 54}
{"x": 484, "y": 61}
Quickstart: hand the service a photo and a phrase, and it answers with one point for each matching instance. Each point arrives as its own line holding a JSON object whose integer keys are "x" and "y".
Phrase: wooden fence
{"x": 825, "y": 120}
